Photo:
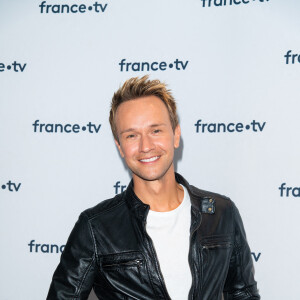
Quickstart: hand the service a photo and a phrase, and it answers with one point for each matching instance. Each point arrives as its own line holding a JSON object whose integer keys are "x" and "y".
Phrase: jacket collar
{"x": 141, "y": 209}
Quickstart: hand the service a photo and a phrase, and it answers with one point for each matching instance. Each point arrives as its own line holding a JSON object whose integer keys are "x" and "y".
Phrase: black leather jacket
{"x": 109, "y": 250}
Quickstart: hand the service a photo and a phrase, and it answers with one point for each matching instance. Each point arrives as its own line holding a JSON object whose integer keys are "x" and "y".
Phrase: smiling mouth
{"x": 151, "y": 159}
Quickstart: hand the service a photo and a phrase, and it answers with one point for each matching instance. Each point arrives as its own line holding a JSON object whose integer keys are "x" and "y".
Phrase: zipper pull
{"x": 139, "y": 264}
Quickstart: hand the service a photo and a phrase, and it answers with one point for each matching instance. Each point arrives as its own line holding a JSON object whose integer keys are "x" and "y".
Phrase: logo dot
{"x": 90, "y": 7}
{"x": 170, "y": 65}
{"x": 83, "y": 128}
{"x": 3, "y": 187}
{"x": 247, "y": 127}
{"x": 8, "y": 67}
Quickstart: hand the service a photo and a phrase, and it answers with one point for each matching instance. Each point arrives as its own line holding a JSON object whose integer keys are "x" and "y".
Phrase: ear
{"x": 177, "y": 134}
{"x": 119, "y": 148}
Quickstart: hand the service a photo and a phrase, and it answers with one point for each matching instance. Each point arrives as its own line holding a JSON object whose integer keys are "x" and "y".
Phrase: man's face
{"x": 146, "y": 137}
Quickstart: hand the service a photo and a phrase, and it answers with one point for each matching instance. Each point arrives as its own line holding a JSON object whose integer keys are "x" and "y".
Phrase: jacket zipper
{"x": 137, "y": 262}
{"x": 126, "y": 263}
{"x": 160, "y": 276}
{"x": 215, "y": 246}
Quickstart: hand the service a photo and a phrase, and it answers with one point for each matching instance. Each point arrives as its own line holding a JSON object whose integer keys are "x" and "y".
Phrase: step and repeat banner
{"x": 234, "y": 69}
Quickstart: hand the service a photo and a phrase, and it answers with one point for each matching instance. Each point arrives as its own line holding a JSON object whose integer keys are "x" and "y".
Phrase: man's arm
{"x": 74, "y": 276}
{"x": 240, "y": 283}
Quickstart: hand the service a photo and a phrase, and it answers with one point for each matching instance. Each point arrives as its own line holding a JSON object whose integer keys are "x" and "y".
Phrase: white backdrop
{"x": 225, "y": 61}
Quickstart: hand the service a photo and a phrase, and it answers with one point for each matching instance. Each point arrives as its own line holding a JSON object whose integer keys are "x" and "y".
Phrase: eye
{"x": 130, "y": 136}
{"x": 156, "y": 130}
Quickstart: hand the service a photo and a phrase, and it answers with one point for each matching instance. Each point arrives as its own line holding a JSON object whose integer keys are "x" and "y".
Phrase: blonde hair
{"x": 136, "y": 87}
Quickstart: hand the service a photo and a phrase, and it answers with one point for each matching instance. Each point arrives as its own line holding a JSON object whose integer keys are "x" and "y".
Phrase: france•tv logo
{"x": 179, "y": 65}
{"x": 287, "y": 191}
{"x": 119, "y": 188}
{"x": 15, "y": 66}
{"x": 289, "y": 57}
{"x": 45, "y": 248}
{"x": 11, "y": 186}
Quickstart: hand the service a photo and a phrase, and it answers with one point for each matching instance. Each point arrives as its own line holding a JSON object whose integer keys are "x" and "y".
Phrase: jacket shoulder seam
{"x": 204, "y": 193}
{"x": 105, "y": 210}
{"x": 94, "y": 215}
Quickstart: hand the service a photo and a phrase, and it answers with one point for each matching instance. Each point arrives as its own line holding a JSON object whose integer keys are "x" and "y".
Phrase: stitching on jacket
{"x": 84, "y": 276}
{"x": 106, "y": 210}
{"x": 240, "y": 246}
{"x": 94, "y": 241}
{"x": 221, "y": 291}
{"x": 92, "y": 261}
{"x": 198, "y": 192}
{"x": 204, "y": 237}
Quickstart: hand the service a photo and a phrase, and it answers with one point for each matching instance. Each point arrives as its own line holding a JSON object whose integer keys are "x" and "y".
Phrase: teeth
{"x": 149, "y": 159}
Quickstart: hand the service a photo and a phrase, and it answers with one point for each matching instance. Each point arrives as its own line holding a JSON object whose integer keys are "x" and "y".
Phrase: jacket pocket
{"x": 127, "y": 272}
{"x": 136, "y": 263}
{"x": 215, "y": 253}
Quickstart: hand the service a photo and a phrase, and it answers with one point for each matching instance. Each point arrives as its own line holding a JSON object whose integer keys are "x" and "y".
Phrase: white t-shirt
{"x": 170, "y": 233}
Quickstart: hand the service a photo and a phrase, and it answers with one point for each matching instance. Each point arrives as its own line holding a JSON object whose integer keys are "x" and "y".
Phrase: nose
{"x": 146, "y": 144}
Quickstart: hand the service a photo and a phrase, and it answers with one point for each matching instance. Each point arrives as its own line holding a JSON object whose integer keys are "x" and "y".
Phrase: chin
{"x": 151, "y": 176}
{"x": 148, "y": 178}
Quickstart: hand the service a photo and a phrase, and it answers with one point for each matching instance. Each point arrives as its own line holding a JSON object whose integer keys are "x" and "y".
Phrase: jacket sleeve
{"x": 74, "y": 276}
{"x": 240, "y": 283}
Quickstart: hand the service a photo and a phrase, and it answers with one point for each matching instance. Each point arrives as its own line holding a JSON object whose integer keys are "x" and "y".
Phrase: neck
{"x": 162, "y": 195}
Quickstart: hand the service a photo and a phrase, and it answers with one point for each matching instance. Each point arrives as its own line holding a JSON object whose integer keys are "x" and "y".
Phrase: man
{"x": 162, "y": 238}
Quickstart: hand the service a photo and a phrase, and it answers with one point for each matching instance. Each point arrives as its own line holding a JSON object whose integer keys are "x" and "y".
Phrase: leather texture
{"x": 110, "y": 251}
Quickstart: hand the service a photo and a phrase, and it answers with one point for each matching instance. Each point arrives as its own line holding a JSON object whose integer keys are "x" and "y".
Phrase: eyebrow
{"x": 150, "y": 126}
